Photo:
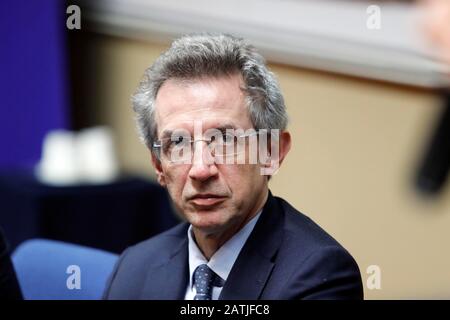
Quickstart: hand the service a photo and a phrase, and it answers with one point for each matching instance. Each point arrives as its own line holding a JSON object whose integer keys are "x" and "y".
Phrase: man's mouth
{"x": 206, "y": 199}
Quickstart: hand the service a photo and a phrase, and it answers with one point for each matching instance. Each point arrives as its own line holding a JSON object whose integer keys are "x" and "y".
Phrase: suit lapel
{"x": 168, "y": 281}
{"x": 255, "y": 262}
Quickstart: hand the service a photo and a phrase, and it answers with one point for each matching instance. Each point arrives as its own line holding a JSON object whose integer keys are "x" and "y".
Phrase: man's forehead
{"x": 214, "y": 101}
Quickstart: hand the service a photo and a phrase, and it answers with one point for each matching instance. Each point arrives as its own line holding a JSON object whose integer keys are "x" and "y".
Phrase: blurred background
{"x": 366, "y": 91}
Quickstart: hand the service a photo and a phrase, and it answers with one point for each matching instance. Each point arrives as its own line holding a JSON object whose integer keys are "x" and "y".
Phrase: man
{"x": 201, "y": 108}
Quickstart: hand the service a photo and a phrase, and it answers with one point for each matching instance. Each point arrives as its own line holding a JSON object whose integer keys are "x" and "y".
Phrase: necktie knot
{"x": 204, "y": 280}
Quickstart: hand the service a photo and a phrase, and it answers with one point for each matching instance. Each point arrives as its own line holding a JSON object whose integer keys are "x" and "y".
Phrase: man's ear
{"x": 285, "y": 145}
{"x": 282, "y": 145}
{"x": 158, "y": 169}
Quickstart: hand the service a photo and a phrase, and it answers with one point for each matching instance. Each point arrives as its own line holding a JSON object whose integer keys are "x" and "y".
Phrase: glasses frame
{"x": 157, "y": 145}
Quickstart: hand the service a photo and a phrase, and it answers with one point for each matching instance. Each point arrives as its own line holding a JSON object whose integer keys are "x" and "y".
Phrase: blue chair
{"x": 53, "y": 270}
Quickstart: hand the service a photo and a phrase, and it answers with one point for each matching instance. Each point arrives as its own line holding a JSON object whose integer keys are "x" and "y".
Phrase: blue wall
{"x": 33, "y": 77}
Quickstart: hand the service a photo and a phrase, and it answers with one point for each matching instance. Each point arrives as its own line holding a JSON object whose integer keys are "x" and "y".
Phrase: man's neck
{"x": 209, "y": 243}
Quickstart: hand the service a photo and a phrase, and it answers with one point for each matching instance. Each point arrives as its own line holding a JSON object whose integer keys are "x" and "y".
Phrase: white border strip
{"x": 318, "y": 34}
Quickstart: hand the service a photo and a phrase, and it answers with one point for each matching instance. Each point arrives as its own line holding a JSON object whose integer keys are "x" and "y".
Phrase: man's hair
{"x": 196, "y": 56}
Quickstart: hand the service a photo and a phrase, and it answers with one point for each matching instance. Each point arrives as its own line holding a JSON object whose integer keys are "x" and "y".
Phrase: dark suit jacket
{"x": 287, "y": 256}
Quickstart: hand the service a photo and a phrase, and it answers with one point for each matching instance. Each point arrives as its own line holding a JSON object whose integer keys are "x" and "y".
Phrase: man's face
{"x": 212, "y": 197}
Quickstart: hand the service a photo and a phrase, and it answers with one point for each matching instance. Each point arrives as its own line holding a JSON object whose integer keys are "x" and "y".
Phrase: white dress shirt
{"x": 222, "y": 260}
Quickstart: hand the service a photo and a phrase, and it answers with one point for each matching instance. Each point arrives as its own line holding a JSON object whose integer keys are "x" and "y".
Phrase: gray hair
{"x": 211, "y": 55}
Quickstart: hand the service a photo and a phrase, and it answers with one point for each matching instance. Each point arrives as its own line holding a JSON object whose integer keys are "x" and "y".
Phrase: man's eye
{"x": 177, "y": 141}
{"x": 228, "y": 138}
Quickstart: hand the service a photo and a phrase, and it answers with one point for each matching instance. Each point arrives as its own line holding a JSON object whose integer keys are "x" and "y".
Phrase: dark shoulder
{"x": 157, "y": 249}
{"x": 130, "y": 271}
{"x": 318, "y": 264}
{"x": 303, "y": 233}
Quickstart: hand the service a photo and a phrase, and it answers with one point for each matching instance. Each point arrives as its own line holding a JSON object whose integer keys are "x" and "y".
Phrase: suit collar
{"x": 223, "y": 259}
{"x": 255, "y": 262}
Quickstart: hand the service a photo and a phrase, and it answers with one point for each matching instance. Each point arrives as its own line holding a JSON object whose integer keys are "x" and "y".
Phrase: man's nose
{"x": 203, "y": 166}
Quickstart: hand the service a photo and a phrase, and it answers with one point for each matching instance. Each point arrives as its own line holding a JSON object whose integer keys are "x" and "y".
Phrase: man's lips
{"x": 206, "y": 199}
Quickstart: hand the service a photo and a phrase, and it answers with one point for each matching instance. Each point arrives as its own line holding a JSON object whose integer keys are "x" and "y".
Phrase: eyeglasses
{"x": 179, "y": 148}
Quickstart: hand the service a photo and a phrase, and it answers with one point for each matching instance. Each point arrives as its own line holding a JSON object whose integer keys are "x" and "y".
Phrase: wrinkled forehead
{"x": 212, "y": 103}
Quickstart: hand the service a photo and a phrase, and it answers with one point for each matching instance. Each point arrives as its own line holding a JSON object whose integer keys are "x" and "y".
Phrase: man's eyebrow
{"x": 166, "y": 134}
{"x": 224, "y": 127}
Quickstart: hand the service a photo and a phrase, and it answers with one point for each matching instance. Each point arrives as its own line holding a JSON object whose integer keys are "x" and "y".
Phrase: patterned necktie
{"x": 204, "y": 280}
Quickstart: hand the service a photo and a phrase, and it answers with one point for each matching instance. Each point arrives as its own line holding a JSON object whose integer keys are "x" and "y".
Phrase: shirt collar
{"x": 223, "y": 259}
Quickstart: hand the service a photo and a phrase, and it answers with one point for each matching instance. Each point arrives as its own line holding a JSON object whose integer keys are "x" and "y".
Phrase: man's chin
{"x": 208, "y": 222}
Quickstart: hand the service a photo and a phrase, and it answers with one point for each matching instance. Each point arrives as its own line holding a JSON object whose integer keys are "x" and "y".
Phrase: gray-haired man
{"x": 206, "y": 109}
